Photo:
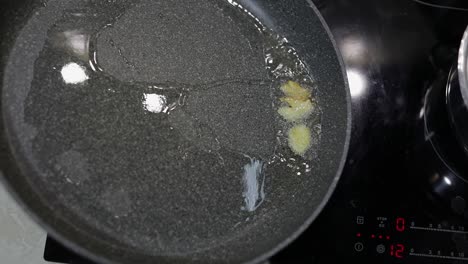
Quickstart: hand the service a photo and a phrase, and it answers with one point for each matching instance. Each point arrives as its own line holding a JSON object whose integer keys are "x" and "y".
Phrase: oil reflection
{"x": 253, "y": 185}
{"x": 74, "y": 41}
{"x": 155, "y": 103}
{"x": 77, "y": 42}
{"x": 73, "y": 73}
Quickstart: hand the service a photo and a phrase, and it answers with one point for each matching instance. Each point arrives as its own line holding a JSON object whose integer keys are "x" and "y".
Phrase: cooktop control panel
{"x": 406, "y": 239}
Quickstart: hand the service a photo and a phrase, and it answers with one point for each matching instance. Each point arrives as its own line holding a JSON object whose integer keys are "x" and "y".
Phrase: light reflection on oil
{"x": 74, "y": 41}
{"x": 254, "y": 180}
{"x": 73, "y": 73}
{"x": 155, "y": 103}
{"x": 77, "y": 42}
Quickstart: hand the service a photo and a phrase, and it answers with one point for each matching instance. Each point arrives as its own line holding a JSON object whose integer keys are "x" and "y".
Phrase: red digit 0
{"x": 400, "y": 224}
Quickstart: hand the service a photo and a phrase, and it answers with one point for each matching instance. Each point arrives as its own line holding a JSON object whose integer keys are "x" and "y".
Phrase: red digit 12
{"x": 397, "y": 250}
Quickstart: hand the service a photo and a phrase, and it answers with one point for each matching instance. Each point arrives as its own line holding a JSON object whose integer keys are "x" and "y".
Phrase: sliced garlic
{"x": 297, "y": 110}
{"x": 299, "y": 138}
{"x": 295, "y": 90}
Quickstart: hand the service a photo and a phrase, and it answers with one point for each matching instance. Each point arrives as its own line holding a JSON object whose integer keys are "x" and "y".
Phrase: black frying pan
{"x": 147, "y": 132}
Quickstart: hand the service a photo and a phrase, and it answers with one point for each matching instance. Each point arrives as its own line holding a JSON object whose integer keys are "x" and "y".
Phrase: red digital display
{"x": 397, "y": 250}
{"x": 400, "y": 224}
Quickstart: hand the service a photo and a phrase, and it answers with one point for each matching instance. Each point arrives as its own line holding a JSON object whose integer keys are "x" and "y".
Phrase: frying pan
{"x": 94, "y": 162}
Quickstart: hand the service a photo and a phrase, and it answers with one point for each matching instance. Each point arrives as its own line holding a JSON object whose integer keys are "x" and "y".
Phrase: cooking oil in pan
{"x": 172, "y": 108}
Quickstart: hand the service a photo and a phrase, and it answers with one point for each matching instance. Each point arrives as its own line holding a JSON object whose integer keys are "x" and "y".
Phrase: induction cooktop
{"x": 401, "y": 199}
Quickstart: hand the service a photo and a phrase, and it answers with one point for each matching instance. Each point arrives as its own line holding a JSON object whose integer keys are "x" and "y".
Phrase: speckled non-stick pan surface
{"x": 142, "y": 131}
